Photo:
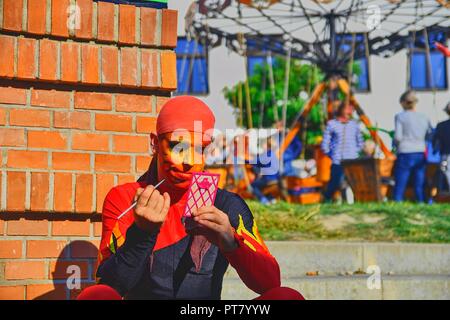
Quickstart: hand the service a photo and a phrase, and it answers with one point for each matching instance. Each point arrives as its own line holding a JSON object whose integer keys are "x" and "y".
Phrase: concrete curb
{"x": 415, "y": 287}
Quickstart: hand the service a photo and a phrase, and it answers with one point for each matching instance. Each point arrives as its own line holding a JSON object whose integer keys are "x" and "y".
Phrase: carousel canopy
{"x": 325, "y": 32}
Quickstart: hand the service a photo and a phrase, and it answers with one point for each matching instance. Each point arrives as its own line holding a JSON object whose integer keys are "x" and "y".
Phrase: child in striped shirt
{"x": 342, "y": 140}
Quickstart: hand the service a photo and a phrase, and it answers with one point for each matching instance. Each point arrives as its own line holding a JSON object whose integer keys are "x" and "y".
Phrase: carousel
{"x": 330, "y": 35}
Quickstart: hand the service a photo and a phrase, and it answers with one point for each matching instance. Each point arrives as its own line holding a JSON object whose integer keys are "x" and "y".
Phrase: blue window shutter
{"x": 345, "y": 42}
{"x": 428, "y": 72}
{"x": 418, "y": 69}
{"x": 192, "y": 67}
{"x": 254, "y": 61}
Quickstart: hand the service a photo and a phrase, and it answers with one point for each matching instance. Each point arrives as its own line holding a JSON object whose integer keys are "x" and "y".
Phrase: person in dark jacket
{"x": 441, "y": 143}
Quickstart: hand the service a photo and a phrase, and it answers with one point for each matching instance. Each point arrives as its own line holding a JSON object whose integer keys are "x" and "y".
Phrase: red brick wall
{"x": 76, "y": 107}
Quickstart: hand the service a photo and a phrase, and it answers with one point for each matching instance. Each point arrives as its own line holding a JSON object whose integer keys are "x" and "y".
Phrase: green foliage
{"x": 302, "y": 78}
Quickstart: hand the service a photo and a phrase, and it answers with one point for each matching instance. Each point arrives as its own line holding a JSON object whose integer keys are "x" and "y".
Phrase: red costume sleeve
{"x": 113, "y": 230}
{"x": 124, "y": 248}
{"x": 257, "y": 268}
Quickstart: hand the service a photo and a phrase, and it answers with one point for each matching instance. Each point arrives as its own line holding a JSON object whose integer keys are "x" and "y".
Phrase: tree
{"x": 303, "y": 77}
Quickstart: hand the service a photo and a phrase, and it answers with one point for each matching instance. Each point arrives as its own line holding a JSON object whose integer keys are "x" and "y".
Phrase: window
{"x": 257, "y": 52}
{"x": 253, "y": 61}
{"x": 361, "y": 72}
{"x": 428, "y": 72}
{"x": 192, "y": 67}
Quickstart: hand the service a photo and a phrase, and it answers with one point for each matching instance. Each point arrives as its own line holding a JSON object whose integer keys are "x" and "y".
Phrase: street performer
{"x": 148, "y": 253}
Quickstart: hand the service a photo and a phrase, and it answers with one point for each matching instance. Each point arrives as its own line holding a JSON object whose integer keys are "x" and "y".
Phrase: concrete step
{"x": 410, "y": 287}
{"x": 296, "y": 258}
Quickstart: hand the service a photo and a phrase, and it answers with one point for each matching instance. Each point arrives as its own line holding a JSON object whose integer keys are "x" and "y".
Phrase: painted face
{"x": 179, "y": 156}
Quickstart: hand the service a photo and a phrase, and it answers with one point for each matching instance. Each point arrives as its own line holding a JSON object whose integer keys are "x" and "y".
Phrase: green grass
{"x": 405, "y": 222}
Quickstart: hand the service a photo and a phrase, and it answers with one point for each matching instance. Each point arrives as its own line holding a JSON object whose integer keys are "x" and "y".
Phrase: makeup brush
{"x": 135, "y": 202}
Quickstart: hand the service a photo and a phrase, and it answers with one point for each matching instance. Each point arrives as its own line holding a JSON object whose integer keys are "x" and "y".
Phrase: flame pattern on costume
{"x": 251, "y": 237}
{"x": 117, "y": 239}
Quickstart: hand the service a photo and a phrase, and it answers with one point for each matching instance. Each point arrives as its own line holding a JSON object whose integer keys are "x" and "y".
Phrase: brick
{"x": 83, "y": 193}
{"x": 128, "y": 65}
{"x": 7, "y": 45}
{"x": 12, "y": 292}
{"x": 12, "y": 15}
{"x": 26, "y": 66}
{"x": 50, "y": 98}
{"x": 145, "y": 124}
{"x": 90, "y": 64}
{"x": 148, "y": 26}
{"x": 36, "y": 14}
{"x": 10, "y": 95}
{"x": 2, "y": 117}
{"x": 12, "y": 137}
{"x": 86, "y": 9}
{"x": 168, "y": 70}
{"x": 62, "y": 201}
{"x": 93, "y": 100}
{"x": 125, "y": 178}
{"x": 127, "y": 24}
{"x": 90, "y": 141}
{"x": 71, "y": 161}
{"x": 169, "y": 28}
{"x": 70, "y": 228}
{"x": 133, "y": 103}
{"x": 142, "y": 163}
{"x": 70, "y": 56}
{"x": 125, "y": 143}
{"x": 46, "y": 139}
{"x": 60, "y": 16}
{"x": 29, "y": 118}
{"x": 16, "y": 184}
{"x": 40, "y": 187}
{"x": 105, "y": 23}
{"x": 112, "y": 163}
{"x": 2, "y": 222}
{"x": 98, "y": 225}
{"x": 27, "y": 159}
{"x": 46, "y": 291}
{"x": 11, "y": 249}
{"x": 104, "y": 183}
{"x": 110, "y": 65}
{"x": 112, "y": 122}
{"x": 48, "y": 59}
{"x": 84, "y": 249}
{"x": 149, "y": 69}
{"x": 46, "y": 249}
{"x": 72, "y": 120}
{"x": 21, "y": 270}
{"x": 61, "y": 270}
{"x": 23, "y": 227}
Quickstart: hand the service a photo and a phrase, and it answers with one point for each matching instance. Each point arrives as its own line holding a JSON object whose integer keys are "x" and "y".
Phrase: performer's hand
{"x": 151, "y": 208}
{"x": 215, "y": 225}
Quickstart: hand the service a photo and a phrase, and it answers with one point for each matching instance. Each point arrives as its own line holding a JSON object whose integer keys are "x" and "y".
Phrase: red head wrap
{"x": 182, "y": 112}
